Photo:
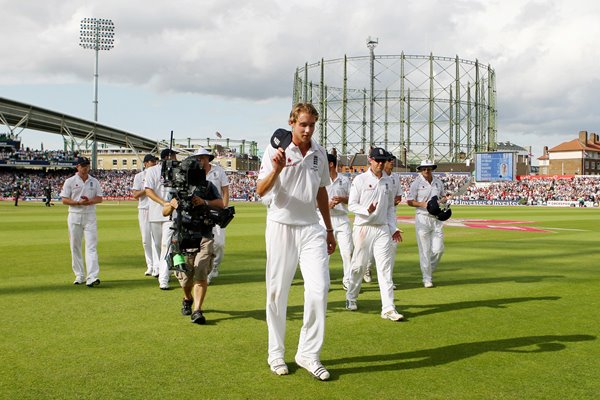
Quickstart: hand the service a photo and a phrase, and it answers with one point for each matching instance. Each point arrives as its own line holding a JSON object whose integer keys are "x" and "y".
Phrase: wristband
{"x": 328, "y": 230}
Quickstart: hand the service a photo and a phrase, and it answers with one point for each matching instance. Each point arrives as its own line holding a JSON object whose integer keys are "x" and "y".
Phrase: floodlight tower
{"x": 96, "y": 34}
{"x": 371, "y": 44}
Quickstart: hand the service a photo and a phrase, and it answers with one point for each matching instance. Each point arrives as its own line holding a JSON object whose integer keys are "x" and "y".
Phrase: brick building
{"x": 580, "y": 156}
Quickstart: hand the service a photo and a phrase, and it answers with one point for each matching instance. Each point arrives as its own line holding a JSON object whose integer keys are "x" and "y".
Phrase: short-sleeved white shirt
{"x": 421, "y": 190}
{"x": 367, "y": 189}
{"x": 339, "y": 187}
{"x": 218, "y": 177}
{"x": 74, "y": 188}
{"x": 155, "y": 182}
{"x": 292, "y": 199}
{"x": 396, "y": 185}
{"x": 140, "y": 184}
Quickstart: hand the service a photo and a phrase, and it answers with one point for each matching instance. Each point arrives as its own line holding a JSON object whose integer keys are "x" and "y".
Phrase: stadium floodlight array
{"x": 97, "y": 34}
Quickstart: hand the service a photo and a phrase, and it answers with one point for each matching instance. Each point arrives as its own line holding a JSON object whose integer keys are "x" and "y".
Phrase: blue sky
{"x": 200, "y": 66}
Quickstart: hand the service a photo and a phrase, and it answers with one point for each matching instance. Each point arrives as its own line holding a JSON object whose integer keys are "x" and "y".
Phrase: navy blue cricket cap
{"x": 149, "y": 157}
{"x": 281, "y": 138}
{"x": 378, "y": 154}
{"x": 166, "y": 153}
{"x": 83, "y": 161}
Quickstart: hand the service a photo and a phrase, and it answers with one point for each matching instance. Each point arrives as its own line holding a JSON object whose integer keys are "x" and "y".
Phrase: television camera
{"x": 186, "y": 179}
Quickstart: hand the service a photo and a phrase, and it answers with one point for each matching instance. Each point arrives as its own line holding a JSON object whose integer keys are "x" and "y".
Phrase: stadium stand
{"x": 533, "y": 190}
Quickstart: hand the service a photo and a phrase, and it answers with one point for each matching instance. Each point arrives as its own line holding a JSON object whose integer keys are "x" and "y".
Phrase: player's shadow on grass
{"x": 448, "y": 354}
{"x": 374, "y": 306}
{"x": 294, "y": 312}
{"x": 428, "y": 309}
{"x": 415, "y": 281}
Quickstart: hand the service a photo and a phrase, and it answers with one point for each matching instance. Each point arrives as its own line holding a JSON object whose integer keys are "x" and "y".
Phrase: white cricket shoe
{"x": 351, "y": 305}
{"x": 213, "y": 273}
{"x": 279, "y": 367}
{"x": 428, "y": 284}
{"x": 392, "y": 315}
{"x": 316, "y": 369}
{"x": 367, "y": 277}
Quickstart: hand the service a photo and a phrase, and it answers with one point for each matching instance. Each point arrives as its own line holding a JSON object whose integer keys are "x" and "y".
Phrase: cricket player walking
{"x": 293, "y": 179}
{"x": 217, "y": 176}
{"x": 139, "y": 193}
{"x": 429, "y": 230}
{"x": 338, "y": 191}
{"x": 372, "y": 202}
{"x": 81, "y": 193}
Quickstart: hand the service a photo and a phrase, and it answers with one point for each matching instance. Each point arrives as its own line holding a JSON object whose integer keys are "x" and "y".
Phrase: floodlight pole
{"x": 371, "y": 44}
{"x": 96, "y": 34}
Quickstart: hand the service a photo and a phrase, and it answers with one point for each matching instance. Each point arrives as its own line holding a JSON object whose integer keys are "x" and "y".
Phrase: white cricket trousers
{"x": 373, "y": 242}
{"x": 82, "y": 226}
{"x": 343, "y": 236}
{"x": 146, "y": 238}
{"x": 218, "y": 244}
{"x": 287, "y": 246}
{"x": 430, "y": 240}
{"x": 161, "y": 236}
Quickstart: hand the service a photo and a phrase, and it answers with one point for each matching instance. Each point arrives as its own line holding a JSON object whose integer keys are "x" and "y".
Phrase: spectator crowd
{"x": 37, "y": 155}
{"x": 118, "y": 183}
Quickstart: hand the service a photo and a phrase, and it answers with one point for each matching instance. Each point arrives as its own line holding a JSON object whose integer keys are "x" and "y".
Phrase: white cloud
{"x": 244, "y": 52}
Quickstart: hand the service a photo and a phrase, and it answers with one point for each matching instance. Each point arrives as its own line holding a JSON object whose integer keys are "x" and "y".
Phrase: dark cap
{"x": 332, "y": 158}
{"x": 166, "y": 153}
{"x": 281, "y": 138}
{"x": 83, "y": 161}
{"x": 149, "y": 157}
{"x": 378, "y": 154}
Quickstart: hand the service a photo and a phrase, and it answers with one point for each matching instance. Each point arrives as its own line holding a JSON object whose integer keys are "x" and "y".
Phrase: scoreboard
{"x": 495, "y": 166}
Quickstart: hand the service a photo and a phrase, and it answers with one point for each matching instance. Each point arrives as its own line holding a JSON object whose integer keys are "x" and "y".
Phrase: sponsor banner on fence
{"x": 551, "y": 203}
{"x": 484, "y": 202}
{"x": 570, "y": 203}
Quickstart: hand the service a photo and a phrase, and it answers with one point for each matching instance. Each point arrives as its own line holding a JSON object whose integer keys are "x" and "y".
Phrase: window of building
{"x": 134, "y": 162}
{"x": 115, "y": 162}
{"x": 228, "y": 164}
{"x": 124, "y": 163}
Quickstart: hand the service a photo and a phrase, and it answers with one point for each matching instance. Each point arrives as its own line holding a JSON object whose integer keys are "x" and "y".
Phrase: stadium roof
{"x": 26, "y": 116}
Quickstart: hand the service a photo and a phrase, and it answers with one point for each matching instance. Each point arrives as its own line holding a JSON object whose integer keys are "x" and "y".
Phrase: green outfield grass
{"x": 514, "y": 315}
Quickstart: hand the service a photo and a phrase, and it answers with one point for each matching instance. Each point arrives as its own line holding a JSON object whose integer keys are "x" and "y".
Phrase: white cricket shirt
{"x": 74, "y": 188}
{"x": 292, "y": 199}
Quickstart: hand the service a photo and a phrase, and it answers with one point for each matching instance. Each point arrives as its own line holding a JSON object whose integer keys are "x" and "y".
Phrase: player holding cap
{"x": 293, "y": 178}
{"x": 429, "y": 229}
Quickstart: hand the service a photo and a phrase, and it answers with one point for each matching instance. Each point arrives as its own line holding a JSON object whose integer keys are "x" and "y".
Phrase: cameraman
{"x": 198, "y": 254}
